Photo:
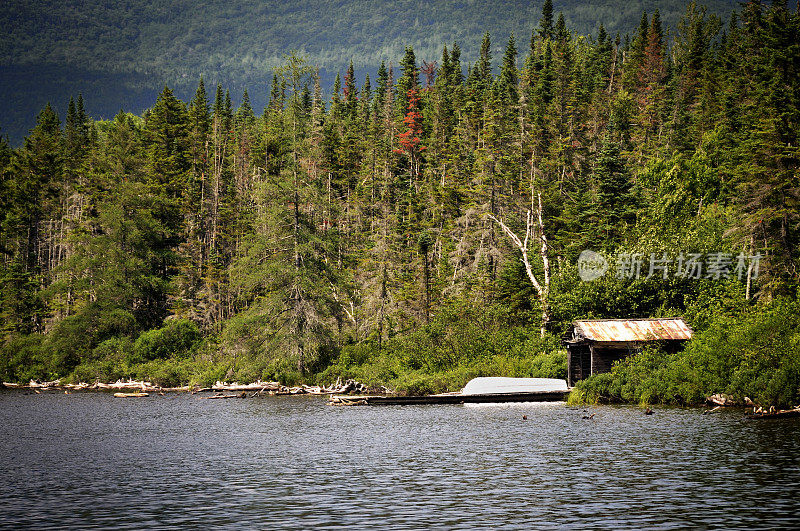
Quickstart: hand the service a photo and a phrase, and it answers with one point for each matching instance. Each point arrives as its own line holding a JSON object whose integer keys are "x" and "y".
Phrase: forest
{"x": 422, "y": 226}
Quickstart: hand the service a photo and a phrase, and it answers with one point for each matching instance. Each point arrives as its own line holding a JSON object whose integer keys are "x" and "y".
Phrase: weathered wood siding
{"x": 579, "y": 363}
{"x": 604, "y": 358}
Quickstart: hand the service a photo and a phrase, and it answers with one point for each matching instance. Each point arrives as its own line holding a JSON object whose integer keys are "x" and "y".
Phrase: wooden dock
{"x": 450, "y": 398}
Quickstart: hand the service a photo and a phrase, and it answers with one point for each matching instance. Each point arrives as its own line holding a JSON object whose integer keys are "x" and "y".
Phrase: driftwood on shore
{"x": 276, "y": 389}
{"x": 243, "y": 394}
{"x": 339, "y": 400}
{"x": 721, "y": 400}
{"x": 772, "y": 413}
{"x": 257, "y": 388}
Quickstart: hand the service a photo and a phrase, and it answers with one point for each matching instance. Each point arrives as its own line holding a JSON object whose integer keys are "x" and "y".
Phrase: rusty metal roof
{"x": 633, "y": 329}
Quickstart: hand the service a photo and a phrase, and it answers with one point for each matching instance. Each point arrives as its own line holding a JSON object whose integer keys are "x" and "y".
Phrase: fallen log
{"x": 336, "y": 400}
{"x": 131, "y": 395}
{"x": 34, "y": 384}
{"x": 720, "y": 399}
{"x": 184, "y": 389}
{"x": 212, "y": 397}
{"x": 350, "y": 386}
{"x": 130, "y": 384}
{"x": 774, "y": 414}
{"x": 235, "y": 386}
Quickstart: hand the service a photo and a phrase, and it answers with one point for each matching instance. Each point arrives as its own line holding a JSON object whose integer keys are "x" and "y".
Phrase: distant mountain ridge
{"x": 119, "y": 54}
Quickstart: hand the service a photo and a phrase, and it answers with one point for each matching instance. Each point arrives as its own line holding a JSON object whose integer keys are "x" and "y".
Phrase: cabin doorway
{"x": 580, "y": 363}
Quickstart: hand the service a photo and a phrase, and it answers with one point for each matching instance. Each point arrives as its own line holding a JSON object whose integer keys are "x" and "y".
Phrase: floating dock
{"x": 493, "y": 398}
{"x": 477, "y": 391}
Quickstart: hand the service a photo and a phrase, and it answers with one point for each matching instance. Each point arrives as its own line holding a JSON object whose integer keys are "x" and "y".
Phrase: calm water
{"x": 90, "y": 460}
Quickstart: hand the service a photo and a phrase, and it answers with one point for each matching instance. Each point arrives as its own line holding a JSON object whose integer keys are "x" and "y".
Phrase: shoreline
{"x": 257, "y": 388}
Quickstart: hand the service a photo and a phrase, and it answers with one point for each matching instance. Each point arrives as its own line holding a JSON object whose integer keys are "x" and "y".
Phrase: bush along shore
{"x": 744, "y": 356}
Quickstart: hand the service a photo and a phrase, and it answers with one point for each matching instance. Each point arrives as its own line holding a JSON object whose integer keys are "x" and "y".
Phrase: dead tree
{"x": 534, "y": 228}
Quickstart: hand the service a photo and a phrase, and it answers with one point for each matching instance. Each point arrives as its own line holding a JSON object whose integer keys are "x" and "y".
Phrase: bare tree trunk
{"x": 534, "y": 228}
{"x": 749, "y": 271}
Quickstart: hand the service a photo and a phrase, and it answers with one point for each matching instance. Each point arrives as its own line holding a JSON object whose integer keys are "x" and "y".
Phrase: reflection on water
{"x": 90, "y": 459}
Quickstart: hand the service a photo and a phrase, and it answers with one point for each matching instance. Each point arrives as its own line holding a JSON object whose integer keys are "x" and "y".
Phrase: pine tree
{"x": 37, "y": 186}
{"x": 509, "y": 76}
{"x": 82, "y": 118}
{"x": 483, "y": 68}
{"x": 167, "y": 140}
{"x": 615, "y": 207}
{"x": 199, "y": 130}
{"x": 365, "y": 102}
{"x": 350, "y": 92}
{"x": 380, "y": 94}
{"x": 34, "y": 199}
{"x": 408, "y": 80}
{"x": 546, "y": 21}
{"x": 455, "y": 58}
{"x": 635, "y": 55}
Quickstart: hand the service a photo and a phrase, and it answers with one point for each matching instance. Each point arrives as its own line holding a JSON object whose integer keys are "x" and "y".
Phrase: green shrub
{"x": 164, "y": 373}
{"x": 23, "y": 359}
{"x": 460, "y": 343}
{"x": 177, "y": 339}
{"x": 593, "y": 390}
{"x": 208, "y": 374}
{"x": 103, "y": 370}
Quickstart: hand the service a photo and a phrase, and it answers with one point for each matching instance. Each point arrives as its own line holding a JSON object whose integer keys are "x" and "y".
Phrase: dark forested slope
{"x": 121, "y": 54}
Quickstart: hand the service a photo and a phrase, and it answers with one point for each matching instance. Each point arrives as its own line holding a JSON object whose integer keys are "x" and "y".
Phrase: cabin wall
{"x": 604, "y": 357}
{"x": 579, "y": 363}
{"x": 585, "y": 359}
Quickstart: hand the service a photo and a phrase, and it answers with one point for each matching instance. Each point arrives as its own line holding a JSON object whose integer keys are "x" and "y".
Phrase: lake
{"x": 90, "y": 460}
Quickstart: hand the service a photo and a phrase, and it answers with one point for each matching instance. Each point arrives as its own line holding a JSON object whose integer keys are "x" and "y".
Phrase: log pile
{"x": 35, "y": 384}
{"x": 276, "y": 389}
{"x": 119, "y": 385}
{"x": 772, "y": 413}
{"x": 721, "y": 400}
{"x": 257, "y": 388}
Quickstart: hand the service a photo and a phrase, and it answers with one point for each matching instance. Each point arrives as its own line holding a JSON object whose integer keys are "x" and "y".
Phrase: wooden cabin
{"x": 594, "y": 345}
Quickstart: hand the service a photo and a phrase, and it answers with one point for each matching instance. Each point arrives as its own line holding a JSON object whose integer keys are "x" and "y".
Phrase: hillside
{"x": 120, "y": 54}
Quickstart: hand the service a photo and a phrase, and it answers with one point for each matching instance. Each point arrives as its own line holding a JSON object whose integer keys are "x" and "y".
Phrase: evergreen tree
{"x": 455, "y": 58}
{"x": 408, "y": 80}
{"x": 350, "y": 91}
{"x": 615, "y": 207}
{"x": 509, "y": 76}
{"x": 380, "y": 94}
{"x": 483, "y": 68}
{"x": 199, "y": 130}
{"x": 34, "y": 199}
{"x": 167, "y": 141}
{"x": 546, "y": 21}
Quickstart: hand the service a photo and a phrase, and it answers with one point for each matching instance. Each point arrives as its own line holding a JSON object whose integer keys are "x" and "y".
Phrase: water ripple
{"x": 90, "y": 461}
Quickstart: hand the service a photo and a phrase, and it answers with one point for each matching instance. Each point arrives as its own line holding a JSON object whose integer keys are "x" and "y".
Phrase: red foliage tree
{"x": 409, "y": 140}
